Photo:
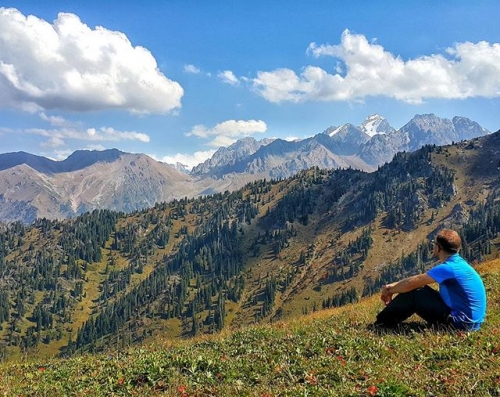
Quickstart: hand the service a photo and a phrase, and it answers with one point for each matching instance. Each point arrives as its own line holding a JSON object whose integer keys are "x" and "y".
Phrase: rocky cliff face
{"x": 231, "y": 155}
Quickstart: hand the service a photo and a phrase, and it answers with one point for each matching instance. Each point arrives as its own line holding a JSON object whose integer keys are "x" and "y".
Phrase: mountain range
{"x": 272, "y": 250}
{"x": 36, "y": 187}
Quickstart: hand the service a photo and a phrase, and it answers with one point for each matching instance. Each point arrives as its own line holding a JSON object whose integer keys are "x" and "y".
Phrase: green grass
{"x": 328, "y": 353}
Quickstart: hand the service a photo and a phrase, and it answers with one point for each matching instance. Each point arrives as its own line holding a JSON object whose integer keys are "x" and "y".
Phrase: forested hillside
{"x": 273, "y": 249}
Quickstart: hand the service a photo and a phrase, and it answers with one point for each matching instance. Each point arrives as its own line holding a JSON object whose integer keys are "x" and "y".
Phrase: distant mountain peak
{"x": 375, "y": 125}
{"x": 231, "y": 155}
{"x": 344, "y": 129}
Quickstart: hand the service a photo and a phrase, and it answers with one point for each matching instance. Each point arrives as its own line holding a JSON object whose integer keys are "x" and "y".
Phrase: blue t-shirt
{"x": 462, "y": 290}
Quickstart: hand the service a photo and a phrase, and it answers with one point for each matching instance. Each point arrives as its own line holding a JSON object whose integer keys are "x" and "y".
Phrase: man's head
{"x": 449, "y": 241}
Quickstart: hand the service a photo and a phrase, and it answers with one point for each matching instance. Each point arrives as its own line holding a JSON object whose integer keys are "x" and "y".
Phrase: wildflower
{"x": 120, "y": 381}
{"x": 312, "y": 380}
{"x": 160, "y": 385}
{"x": 41, "y": 369}
{"x": 372, "y": 390}
{"x": 330, "y": 351}
{"x": 341, "y": 359}
{"x": 182, "y": 390}
{"x": 223, "y": 358}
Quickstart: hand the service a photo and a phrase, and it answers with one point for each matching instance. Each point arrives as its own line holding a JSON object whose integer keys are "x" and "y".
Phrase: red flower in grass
{"x": 372, "y": 390}
{"x": 41, "y": 369}
{"x": 182, "y": 390}
{"x": 120, "y": 381}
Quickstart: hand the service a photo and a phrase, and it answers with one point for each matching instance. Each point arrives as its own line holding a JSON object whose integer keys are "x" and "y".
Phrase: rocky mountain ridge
{"x": 35, "y": 187}
{"x": 363, "y": 147}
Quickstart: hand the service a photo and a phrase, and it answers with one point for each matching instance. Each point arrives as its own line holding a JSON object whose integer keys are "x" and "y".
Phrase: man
{"x": 460, "y": 302}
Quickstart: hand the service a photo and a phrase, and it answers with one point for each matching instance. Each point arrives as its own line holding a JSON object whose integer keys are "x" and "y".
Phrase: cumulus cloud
{"x": 191, "y": 69}
{"x": 228, "y": 77}
{"x": 189, "y": 160}
{"x": 57, "y": 137}
{"x": 68, "y": 65}
{"x": 228, "y": 132}
{"x": 364, "y": 68}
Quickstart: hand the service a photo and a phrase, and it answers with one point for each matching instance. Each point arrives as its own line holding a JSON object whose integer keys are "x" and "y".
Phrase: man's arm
{"x": 405, "y": 285}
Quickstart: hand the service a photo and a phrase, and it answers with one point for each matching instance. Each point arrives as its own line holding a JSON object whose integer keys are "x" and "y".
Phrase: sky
{"x": 177, "y": 79}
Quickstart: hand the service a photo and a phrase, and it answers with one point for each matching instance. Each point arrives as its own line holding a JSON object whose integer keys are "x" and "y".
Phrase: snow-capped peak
{"x": 375, "y": 124}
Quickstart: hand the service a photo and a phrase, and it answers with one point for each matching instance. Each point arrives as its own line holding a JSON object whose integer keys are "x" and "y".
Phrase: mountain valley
{"x": 271, "y": 250}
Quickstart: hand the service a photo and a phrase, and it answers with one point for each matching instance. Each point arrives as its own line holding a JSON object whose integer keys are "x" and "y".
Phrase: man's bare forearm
{"x": 408, "y": 284}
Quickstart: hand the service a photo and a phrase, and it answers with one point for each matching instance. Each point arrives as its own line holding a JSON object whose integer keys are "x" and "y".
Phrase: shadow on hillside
{"x": 407, "y": 328}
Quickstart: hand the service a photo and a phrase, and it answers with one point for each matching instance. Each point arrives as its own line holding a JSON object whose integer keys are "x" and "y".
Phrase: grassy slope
{"x": 328, "y": 353}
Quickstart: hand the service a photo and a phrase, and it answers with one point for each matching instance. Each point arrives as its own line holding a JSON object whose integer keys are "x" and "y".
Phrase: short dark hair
{"x": 449, "y": 241}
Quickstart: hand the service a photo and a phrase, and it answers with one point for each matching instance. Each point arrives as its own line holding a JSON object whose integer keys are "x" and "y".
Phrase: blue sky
{"x": 176, "y": 79}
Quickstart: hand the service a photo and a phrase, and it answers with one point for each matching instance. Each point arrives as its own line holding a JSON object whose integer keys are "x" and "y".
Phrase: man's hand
{"x": 386, "y": 295}
{"x": 404, "y": 285}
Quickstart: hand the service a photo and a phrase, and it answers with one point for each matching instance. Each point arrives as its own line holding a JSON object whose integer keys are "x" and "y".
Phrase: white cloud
{"x": 229, "y": 131}
{"x": 365, "y": 68}
{"x": 95, "y": 147}
{"x": 68, "y": 65}
{"x": 56, "y": 121}
{"x": 191, "y": 69}
{"x": 228, "y": 77}
{"x": 189, "y": 160}
{"x": 222, "y": 141}
{"x": 60, "y": 154}
{"x": 57, "y": 137}
{"x": 292, "y": 138}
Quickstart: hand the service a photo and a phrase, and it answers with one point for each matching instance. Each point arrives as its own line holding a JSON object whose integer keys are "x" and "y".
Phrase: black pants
{"x": 425, "y": 301}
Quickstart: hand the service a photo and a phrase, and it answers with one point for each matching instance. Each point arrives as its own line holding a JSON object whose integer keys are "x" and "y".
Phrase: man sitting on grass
{"x": 460, "y": 302}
